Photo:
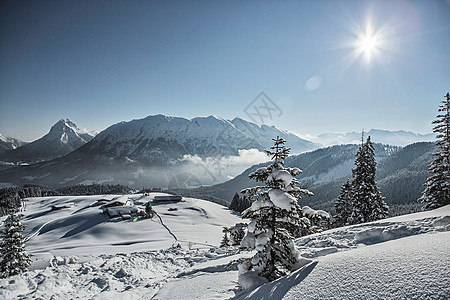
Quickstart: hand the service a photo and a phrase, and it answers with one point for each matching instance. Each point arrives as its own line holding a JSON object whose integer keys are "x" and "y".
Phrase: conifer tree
{"x": 343, "y": 205}
{"x": 367, "y": 202}
{"x": 225, "y": 240}
{"x": 237, "y": 233}
{"x": 437, "y": 186}
{"x": 14, "y": 258}
{"x": 275, "y": 215}
{"x": 239, "y": 204}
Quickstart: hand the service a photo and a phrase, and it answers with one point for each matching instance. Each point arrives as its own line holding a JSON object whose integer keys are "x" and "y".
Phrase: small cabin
{"x": 121, "y": 211}
{"x": 118, "y": 202}
{"x": 167, "y": 198}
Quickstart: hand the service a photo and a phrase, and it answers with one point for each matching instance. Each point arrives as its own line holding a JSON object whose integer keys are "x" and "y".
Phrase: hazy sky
{"x": 328, "y": 66}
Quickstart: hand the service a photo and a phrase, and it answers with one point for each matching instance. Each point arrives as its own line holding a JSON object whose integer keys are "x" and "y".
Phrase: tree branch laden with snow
{"x": 275, "y": 218}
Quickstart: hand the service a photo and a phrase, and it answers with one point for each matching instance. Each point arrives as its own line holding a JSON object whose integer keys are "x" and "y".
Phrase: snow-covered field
{"x": 83, "y": 228}
{"x": 81, "y": 253}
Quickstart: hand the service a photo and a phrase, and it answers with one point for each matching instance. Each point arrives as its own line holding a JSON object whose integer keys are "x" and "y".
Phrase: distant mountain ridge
{"x": 394, "y": 138}
{"x": 9, "y": 143}
{"x": 64, "y": 137}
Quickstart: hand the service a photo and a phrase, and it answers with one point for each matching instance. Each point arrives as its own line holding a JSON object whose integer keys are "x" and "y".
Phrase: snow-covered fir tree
{"x": 237, "y": 233}
{"x": 343, "y": 205}
{"x": 437, "y": 186}
{"x": 319, "y": 219}
{"x": 232, "y": 236}
{"x": 14, "y": 258}
{"x": 226, "y": 239}
{"x": 274, "y": 217}
{"x": 367, "y": 202}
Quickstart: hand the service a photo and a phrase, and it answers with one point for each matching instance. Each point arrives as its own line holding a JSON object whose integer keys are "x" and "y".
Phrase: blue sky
{"x": 102, "y": 62}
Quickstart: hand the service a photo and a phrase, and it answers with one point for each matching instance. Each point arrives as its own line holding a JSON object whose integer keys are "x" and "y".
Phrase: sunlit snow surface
{"x": 84, "y": 229}
{"x": 406, "y": 257}
{"x": 79, "y": 253}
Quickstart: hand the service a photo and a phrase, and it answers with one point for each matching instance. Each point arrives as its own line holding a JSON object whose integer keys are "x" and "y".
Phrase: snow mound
{"x": 356, "y": 236}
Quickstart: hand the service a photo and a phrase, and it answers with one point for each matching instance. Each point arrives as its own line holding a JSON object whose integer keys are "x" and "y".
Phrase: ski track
{"x": 165, "y": 226}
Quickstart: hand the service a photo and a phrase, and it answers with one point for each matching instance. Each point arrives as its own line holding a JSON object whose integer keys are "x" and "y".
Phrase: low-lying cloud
{"x": 214, "y": 170}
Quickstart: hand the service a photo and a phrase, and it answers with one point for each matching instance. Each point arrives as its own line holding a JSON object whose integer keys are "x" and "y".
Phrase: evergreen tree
{"x": 437, "y": 186}
{"x": 225, "y": 240}
{"x": 14, "y": 258}
{"x": 237, "y": 233}
{"x": 367, "y": 203}
{"x": 239, "y": 204}
{"x": 275, "y": 215}
{"x": 343, "y": 205}
{"x": 319, "y": 219}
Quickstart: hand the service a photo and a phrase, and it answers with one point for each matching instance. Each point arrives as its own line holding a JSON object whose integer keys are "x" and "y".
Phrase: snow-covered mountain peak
{"x": 173, "y": 137}
{"x": 63, "y": 137}
{"x": 66, "y": 131}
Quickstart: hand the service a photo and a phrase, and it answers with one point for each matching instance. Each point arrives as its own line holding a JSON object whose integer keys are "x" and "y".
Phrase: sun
{"x": 368, "y": 44}
{"x": 371, "y": 43}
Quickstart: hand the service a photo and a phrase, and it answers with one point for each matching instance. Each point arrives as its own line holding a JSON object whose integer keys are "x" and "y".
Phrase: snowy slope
{"x": 404, "y": 257}
{"x": 63, "y": 138}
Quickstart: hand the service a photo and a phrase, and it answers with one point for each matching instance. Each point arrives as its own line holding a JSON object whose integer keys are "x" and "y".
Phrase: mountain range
{"x": 394, "y": 138}
{"x": 9, "y": 143}
{"x": 178, "y": 153}
{"x": 147, "y": 152}
{"x": 164, "y": 140}
{"x": 63, "y": 138}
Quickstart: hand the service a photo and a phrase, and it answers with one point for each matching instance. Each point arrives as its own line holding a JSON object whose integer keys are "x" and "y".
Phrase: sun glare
{"x": 367, "y": 45}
